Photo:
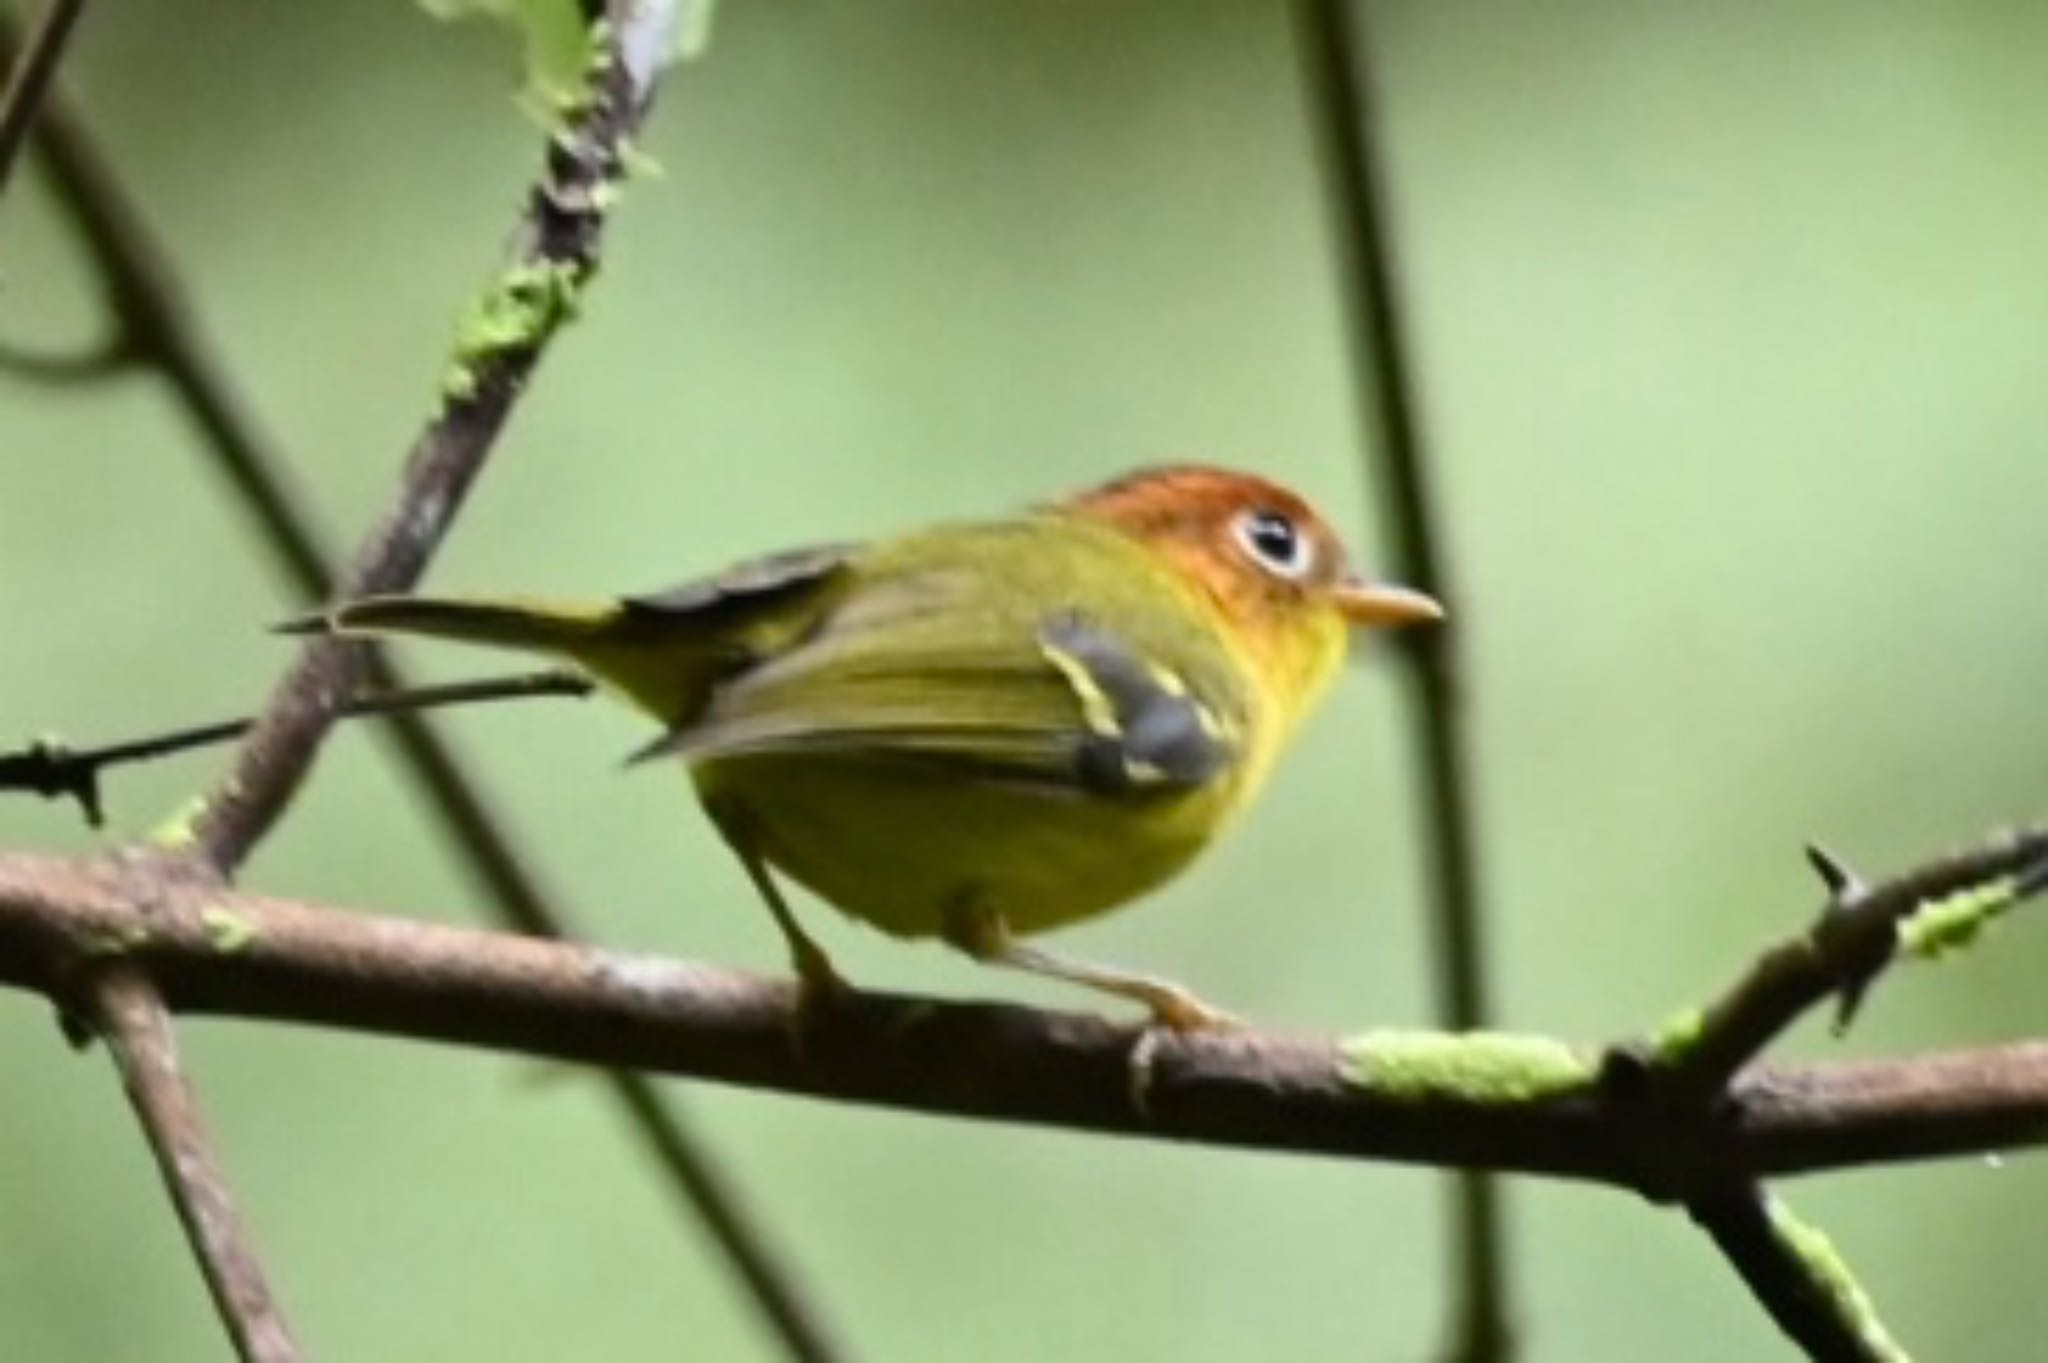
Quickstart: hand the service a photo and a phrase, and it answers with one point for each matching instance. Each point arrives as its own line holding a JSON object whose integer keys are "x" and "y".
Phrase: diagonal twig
{"x": 157, "y": 327}
{"x": 28, "y": 84}
{"x": 55, "y": 771}
{"x": 554, "y": 255}
{"x": 722, "y": 1206}
{"x": 1335, "y": 58}
{"x": 154, "y": 325}
{"x": 1798, "y": 1277}
{"x": 1852, "y": 939}
{"x": 137, "y": 1031}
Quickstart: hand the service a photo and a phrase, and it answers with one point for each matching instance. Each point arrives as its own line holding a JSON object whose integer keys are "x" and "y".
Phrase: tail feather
{"x": 559, "y": 627}
{"x": 666, "y": 672}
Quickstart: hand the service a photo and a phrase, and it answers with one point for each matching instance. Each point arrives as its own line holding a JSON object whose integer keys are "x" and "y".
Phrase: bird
{"x": 981, "y": 731}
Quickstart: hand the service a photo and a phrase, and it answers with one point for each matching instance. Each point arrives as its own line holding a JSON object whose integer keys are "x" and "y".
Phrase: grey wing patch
{"x": 750, "y": 583}
{"x": 1144, "y": 728}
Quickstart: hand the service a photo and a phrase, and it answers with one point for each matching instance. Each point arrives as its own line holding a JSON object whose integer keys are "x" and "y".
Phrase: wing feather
{"x": 994, "y": 691}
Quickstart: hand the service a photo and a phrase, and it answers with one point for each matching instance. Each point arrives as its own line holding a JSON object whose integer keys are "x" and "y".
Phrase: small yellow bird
{"x": 981, "y": 731}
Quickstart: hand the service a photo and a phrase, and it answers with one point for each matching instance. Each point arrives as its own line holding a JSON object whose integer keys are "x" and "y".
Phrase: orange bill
{"x": 1382, "y": 603}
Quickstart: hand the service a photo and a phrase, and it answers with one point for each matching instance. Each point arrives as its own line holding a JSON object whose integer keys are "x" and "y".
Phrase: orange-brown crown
{"x": 1258, "y": 548}
{"x": 1196, "y": 504}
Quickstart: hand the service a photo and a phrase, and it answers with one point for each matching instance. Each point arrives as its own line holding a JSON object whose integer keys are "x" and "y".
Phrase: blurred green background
{"x": 1731, "y": 323}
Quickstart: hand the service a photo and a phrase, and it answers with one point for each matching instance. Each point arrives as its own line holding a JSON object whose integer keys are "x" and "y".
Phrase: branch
{"x": 137, "y": 1032}
{"x": 555, "y": 255}
{"x": 720, "y": 1203}
{"x": 1856, "y": 935}
{"x": 48, "y": 768}
{"x": 1798, "y": 1276}
{"x": 1337, "y": 72}
{"x": 1684, "y": 1075}
{"x": 1512, "y": 1104}
{"x": 30, "y": 82}
{"x": 66, "y": 368}
{"x": 154, "y": 326}
{"x": 158, "y": 328}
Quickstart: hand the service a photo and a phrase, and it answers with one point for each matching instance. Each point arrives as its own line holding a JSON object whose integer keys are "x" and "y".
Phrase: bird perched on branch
{"x": 976, "y": 732}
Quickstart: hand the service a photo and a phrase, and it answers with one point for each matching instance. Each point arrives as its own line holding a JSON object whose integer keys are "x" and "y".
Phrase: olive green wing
{"x": 936, "y": 670}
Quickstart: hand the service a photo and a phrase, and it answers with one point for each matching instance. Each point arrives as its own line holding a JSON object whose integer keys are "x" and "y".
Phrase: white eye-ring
{"x": 1275, "y": 543}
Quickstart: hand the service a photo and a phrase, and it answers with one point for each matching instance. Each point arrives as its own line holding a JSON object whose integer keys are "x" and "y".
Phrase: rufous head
{"x": 1275, "y": 573}
{"x": 1258, "y": 548}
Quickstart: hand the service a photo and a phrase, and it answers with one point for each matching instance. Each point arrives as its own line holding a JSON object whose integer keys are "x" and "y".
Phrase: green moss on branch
{"x": 1489, "y": 1068}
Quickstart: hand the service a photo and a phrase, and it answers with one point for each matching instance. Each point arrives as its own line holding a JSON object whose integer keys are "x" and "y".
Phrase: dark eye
{"x": 1275, "y": 543}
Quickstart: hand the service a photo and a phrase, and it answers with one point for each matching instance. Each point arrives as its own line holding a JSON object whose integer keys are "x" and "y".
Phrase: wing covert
{"x": 1144, "y": 726}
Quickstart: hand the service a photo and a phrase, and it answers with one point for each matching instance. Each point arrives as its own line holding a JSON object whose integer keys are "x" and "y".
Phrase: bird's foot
{"x": 1177, "y": 1010}
{"x": 821, "y": 991}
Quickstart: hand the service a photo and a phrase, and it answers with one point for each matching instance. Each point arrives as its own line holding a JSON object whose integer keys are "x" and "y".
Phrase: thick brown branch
{"x": 555, "y": 254}
{"x": 137, "y": 1031}
{"x": 1802, "y": 1121}
{"x": 216, "y": 951}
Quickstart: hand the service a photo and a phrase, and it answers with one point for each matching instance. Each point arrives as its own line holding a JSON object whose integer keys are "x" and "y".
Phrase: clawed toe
{"x": 1180, "y": 1011}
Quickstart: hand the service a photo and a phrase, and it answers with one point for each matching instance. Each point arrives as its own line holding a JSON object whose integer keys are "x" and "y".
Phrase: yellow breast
{"x": 898, "y": 851}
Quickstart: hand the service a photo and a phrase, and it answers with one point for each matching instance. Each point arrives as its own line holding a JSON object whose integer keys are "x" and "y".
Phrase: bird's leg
{"x": 982, "y": 934}
{"x": 814, "y": 969}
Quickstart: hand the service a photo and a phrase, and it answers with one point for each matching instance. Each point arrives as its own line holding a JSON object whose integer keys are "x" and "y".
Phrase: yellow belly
{"x": 895, "y": 848}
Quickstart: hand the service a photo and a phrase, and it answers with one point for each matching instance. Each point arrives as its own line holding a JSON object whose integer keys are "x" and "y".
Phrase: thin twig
{"x": 66, "y": 368}
{"x": 722, "y": 1206}
{"x": 54, "y": 771}
{"x": 137, "y": 1031}
{"x": 29, "y": 83}
{"x": 156, "y": 327}
{"x": 554, "y": 256}
{"x": 1526, "y": 1105}
{"x": 1852, "y": 939}
{"x": 1336, "y": 71}
{"x": 1797, "y": 1276}
{"x": 160, "y": 329}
